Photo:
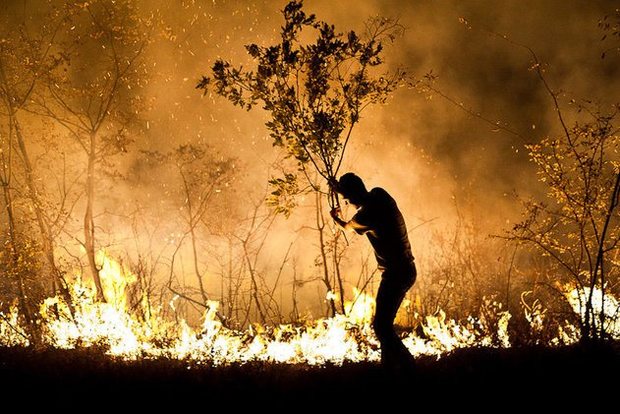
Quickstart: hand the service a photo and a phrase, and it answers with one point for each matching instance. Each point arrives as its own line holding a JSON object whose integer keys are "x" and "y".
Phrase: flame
{"x": 114, "y": 278}
{"x": 138, "y": 333}
{"x": 361, "y": 309}
{"x": 608, "y": 304}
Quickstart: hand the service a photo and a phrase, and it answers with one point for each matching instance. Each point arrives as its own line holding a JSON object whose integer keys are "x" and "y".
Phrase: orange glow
{"x": 138, "y": 334}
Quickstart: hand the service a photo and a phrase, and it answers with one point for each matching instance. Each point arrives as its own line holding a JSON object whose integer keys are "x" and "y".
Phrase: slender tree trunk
{"x": 320, "y": 224}
{"x": 599, "y": 269}
{"x": 8, "y": 202}
{"x": 235, "y": 281}
{"x": 337, "y": 273}
{"x": 254, "y": 293}
{"x": 203, "y": 292}
{"x": 230, "y": 279}
{"x": 47, "y": 240}
{"x": 89, "y": 222}
{"x": 295, "y": 310}
{"x": 24, "y": 302}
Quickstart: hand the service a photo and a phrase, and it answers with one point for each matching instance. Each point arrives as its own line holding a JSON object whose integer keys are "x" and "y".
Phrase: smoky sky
{"x": 425, "y": 150}
{"x": 474, "y": 66}
{"x": 489, "y": 75}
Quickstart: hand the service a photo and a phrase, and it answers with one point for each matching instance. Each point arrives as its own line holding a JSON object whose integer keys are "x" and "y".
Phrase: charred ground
{"x": 527, "y": 376}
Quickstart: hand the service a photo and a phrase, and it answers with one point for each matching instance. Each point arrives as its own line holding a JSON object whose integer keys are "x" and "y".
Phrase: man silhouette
{"x": 380, "y": 219}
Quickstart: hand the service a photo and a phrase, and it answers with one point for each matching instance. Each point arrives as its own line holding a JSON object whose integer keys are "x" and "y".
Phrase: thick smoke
{"x": 434, "y": 157}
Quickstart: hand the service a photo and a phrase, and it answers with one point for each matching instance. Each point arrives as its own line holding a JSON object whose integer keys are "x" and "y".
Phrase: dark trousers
{"x": 394, "y": 285}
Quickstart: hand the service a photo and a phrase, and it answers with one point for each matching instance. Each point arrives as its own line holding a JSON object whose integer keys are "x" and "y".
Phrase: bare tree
{"x": 27, "y": 53}
{"x": 197, "y": 182}
{"x": 331, "y": 251}
{"x": 578, "y": 226}
{"x": 92, "y": 94}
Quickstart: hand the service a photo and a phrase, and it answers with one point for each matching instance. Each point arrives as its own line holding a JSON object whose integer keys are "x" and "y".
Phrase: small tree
{"x": 28, "y": 50}
{"x": 198, "y": 178}
{"x": 93, "y": 95}
{"x": 313, "y": 91}
{"x": 578, "y": 227}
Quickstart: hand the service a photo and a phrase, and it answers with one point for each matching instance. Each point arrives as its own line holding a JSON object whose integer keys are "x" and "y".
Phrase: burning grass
{"x": 143, "y": 334}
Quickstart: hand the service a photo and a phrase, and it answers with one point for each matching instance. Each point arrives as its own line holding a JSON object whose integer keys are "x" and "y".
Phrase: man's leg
{"x": 389, "y": 297}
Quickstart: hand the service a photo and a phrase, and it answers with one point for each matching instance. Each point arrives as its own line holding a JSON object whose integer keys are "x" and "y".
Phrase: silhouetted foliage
{"x": 313, "y": 91}
{"x": 578, "y": 226}
{"x": 610, "y": 25}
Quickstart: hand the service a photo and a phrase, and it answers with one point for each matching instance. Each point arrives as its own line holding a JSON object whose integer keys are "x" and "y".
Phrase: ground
{"x": 479, "y": 378}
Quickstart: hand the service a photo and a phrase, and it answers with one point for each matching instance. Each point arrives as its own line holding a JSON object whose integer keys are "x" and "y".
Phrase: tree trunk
{"x": 320, "y": 223}
{"x": 295, "y": 310}
{"x": 599, "y": 269}
{"x": 203, "y": 292}
{"x": 89, "y": 222}
{"x": 47, "y": 240}
{"x": 24, "y": 304}
{"x": 254, "y": 293}
{"x": 337, "y": 273}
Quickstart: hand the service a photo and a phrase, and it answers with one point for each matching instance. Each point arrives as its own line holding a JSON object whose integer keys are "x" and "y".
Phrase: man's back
{"x": 387, "y": 229}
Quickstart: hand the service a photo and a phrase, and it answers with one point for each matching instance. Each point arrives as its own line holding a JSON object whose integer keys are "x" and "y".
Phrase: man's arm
{"x": 348, "y": 225}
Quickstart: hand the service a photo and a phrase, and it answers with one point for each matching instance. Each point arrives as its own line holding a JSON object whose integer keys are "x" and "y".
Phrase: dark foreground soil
{"x": 475, "y": 379}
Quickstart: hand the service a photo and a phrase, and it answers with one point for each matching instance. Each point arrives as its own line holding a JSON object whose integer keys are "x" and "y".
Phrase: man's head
{"x": 352, "y": 188}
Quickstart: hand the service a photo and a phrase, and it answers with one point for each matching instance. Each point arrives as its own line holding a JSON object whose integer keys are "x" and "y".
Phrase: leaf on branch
{"x": 314, "y": 86}
{"x": 203, "y": 84}
{"x": 282, "y": 196}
